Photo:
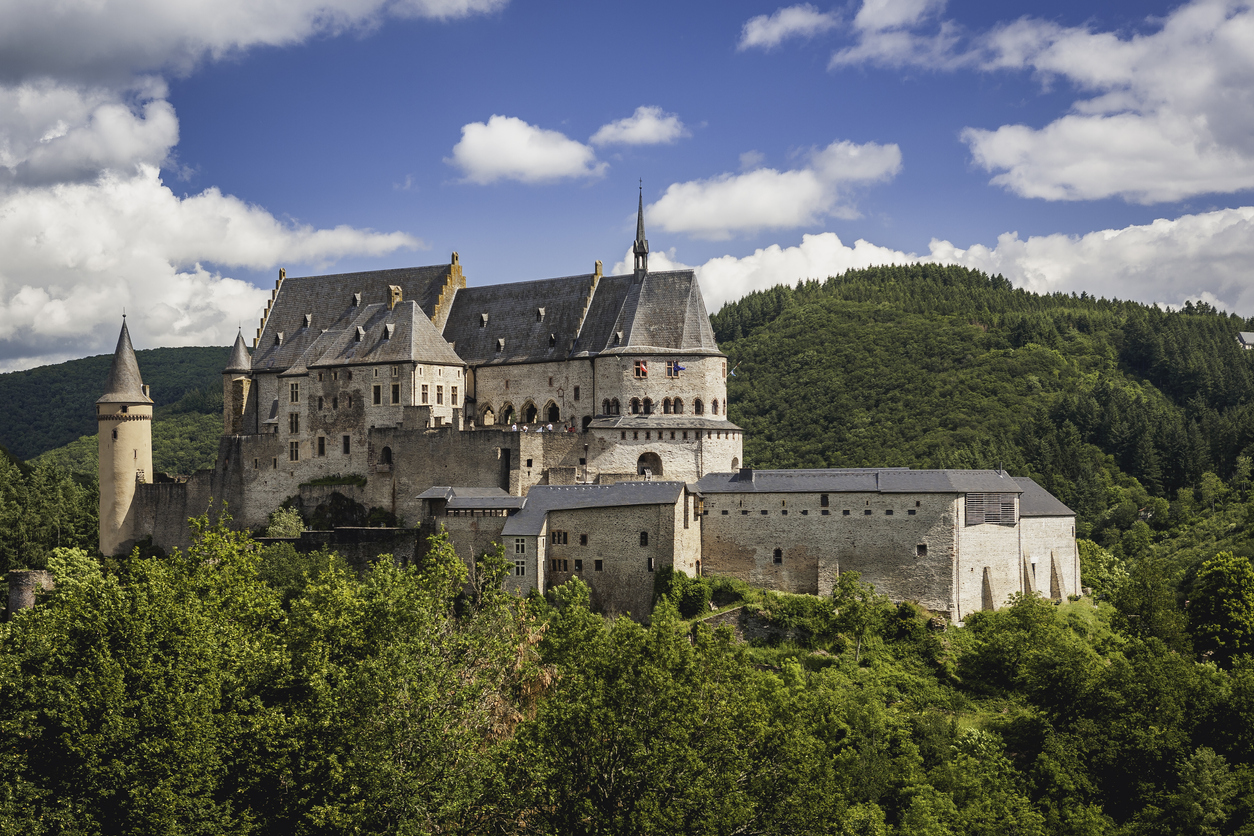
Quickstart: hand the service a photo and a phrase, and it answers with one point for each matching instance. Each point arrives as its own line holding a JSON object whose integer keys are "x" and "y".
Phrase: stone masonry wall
{"x": 1050, "y": 543}
{"x": 989, "y": 568}
{"x": 539, "y": 384}
{"x": 703, "y": 377}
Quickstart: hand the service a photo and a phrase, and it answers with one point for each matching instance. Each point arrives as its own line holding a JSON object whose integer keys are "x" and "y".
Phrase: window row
{"x": 320, "y": 446}
{"x": 661, "y": 435}
{"x": 866, "y": 512}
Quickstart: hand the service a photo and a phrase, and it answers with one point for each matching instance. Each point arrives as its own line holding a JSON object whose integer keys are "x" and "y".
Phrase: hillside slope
{"x": 51, "y": 406}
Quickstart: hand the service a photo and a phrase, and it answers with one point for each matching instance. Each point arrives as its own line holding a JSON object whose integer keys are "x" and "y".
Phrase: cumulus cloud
{"x": 801, "y": 21}
{"x": 1164, "y": 115}
{"x": 77, "y": 253}
{"x": 90, "y": 40}
{"x": 507, "y": 148}
{"x": 647, "y": 126}
{"x": 1203, "y": 256}
{"x": 766, "y": 198}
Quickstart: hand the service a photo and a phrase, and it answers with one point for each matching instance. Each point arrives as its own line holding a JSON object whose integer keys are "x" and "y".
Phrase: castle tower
{"x": 236, "y": 383}
{"x": 641, "y": 247}
{"x": 124, "y": 433}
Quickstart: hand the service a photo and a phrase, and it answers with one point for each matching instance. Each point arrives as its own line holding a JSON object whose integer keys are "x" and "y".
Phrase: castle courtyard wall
{"x": 1048, "y": 544}
{"x": 990, "y": 566}
{"x": 540, "y": 384}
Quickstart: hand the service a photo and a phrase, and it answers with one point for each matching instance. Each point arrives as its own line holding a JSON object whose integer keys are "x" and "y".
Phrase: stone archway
{"x": 530, "y": 413}
{"x": 554, "y": 414}
{"x": 487, "y": 417}
{"x": 650, "y": 462}
{"x": 508, "y": 416}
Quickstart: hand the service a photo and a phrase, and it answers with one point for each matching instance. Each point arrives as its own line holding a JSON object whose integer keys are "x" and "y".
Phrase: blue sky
{"x": 169, "y": 157}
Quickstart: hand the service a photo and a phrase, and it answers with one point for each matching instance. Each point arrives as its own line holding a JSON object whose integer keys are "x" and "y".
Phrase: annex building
{"x": 579, "y": 421}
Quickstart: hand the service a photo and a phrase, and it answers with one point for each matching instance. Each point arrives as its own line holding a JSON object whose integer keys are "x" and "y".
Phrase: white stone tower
{"x": 124, "y": 432}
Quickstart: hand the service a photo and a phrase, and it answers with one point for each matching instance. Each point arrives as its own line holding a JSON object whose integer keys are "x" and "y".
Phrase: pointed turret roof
{"x": 240, "y": 361}
{"x": 641, "y": 246}
{"x": 124, "y": 384}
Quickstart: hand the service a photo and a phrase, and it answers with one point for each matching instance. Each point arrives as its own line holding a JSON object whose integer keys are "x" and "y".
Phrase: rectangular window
{"x": 920, "y": 550}
{"x": 576, "y": 393}
{"x": 845, "y": 512}
{"x": 293, "y": 451}
{"x": 583, "y": 539}
{"x": 520, "y": 568}
{"x": 378, "y": 394}
{"x": 888, "y": 512}
{"x": 994, "y": 508}
{"x": 823, "y": 500}
{"x": 453, "y": 396}
{"x": 346, "y": 444}
{"x": 335, "y": 375}
{"x": 578, "y": 565}
{"x": 558, "y": 538}
{"x": 439, "y": 396}
{"x": 724, "y": 513}
{"x": 520, "y": 545}
{"x": 651, "y": 564}
{"x": 642, "y": 368}
{"x": 319, "y": 377}
{"x": 293, "y": 393}
{"x": 396, "y": 371}
{"x": 256, "y": 464}
{"x": 911, "y": 512}
{"x": 322, "y": 445}
{"x": 528, "y": 462}
{"x": 425, "y": 398}
{"x": 598, "y": 565}
{"x": 396, "y": 393}
{"x": 293, "y": 422}
{"x": 867, "y": 512}
{"x": 335, "y": 402}
{"x": 319, "y": 402}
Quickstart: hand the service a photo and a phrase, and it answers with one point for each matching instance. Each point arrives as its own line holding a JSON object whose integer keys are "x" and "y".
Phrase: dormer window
{"x": 356, "y": 299}
{"x": 539, "y": 314}
{"x": 388, "y": 330}
{"x": 618, "y": 337}
{"x": 308, "y": 320}
{"x": 483, "y": 320}
{"x": 361, "y": 333}
{"x": 552, "y": 340}
{"x": 500, "y": 346}
{"x": 278, "y": 338}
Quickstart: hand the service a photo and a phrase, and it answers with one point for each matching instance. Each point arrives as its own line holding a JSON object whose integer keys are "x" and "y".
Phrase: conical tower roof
{"x": 124, "y": 384}
{"x": 240, "y": 362}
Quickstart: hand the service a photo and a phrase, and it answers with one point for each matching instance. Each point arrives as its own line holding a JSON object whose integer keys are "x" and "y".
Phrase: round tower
{"x": 124, "y": 432}
{"x": 236, "y": 383}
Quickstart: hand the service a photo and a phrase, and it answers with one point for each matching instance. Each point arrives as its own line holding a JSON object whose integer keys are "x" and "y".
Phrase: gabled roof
{"x": 860, "y": 480}
{"x": 482, "y": 317}
{"x": 1246, "y": 338}
{"x": 124, "y": 384}
{"x": 1035, "y": 501}
{"x": 541, "y": 499}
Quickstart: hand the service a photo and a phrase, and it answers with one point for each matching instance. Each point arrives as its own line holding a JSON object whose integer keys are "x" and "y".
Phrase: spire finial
{"x": 641, "y": 247}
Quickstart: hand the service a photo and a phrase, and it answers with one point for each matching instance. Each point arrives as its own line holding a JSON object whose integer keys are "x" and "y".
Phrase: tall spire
{"x": 641, "y": 247}
{"x": 124, "y": 384}
{"x": 240, "y": 361}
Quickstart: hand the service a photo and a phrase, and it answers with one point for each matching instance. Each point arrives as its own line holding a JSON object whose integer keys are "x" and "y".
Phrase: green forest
{"x": 245, "y": 688}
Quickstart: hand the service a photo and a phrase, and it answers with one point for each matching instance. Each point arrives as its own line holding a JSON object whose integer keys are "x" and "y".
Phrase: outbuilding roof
{"x": 541, "y": 499}
{"x": 859, "y": 480}
{"x": 1035, "y": 501}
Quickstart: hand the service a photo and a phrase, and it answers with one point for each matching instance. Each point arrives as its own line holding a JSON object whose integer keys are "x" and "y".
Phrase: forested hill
{"x": 51, "y": 406}
{"x": 931, "y": 366}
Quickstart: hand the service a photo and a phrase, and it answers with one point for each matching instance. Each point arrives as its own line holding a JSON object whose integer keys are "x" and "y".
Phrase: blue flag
{"x": 680, "y": 368}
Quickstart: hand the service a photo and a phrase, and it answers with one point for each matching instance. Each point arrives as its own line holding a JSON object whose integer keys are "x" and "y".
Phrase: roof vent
{"x": 745, "y": 475}
{"x": 356, "y": 299}
{"x": 394, "y": 296}
{"x": 308, "y": 320}
{"x": 361, "y": 333}
{"x": 483, "y": 320}
{"x": 388, "y": 330}
{"x": 500, "y": 345}
{"x": 278, "y": 338}
{"x": 539, "y": 314}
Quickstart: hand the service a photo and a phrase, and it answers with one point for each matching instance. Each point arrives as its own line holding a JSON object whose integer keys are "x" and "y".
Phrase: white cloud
{"x": 766, "y": 198}
{"x": 1203, "y": 256}
{"x": 1164, "y": 115}
{"x": 110, "y": 39}
{"x": 647, "y": 126}
{"x": 801, "y": 21}
{"x": 77, "y": 253}
{"x": 507, "y": 148}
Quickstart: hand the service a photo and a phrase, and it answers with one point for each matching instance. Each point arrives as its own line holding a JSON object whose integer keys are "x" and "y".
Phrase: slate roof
{"x": 240, "y": 361}
{"x": 863, "y": 480}
{"x": 448, "y": 492}
{"x": 660, "y": 421}
{"x": 124, "y": 384}
{"x": 1246, "y": 338}
{"x": 511, "y": 311}
{"x": 1035, "y": 501}
{"x": 665, "y": 312}
{"x": 541, "y": 499}
{"x": 309, "y": 308}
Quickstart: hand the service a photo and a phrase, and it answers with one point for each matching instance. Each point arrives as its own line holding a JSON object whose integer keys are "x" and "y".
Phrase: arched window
{"x": 678, "y": 406}
{"x": 554, "y": 414}
{"x": 648, "y": 407}
{"x": 698, "y": 407}
{"x": 385, "y": 455}
{"x": 714, "y": 407}
{"x": 635, "y": 406}
{"x": 587, "y": 422}
{"x": 507, "y": 414}
{"x": 487, "y": 417}
{"x": 649, "y": 464}
{"x": 530, "y": 412}
{"x": 666, "y": 406}
{"x": 605, "y": 407}
{"x": 736, "y": 466}
{"x": 615, "y": 407}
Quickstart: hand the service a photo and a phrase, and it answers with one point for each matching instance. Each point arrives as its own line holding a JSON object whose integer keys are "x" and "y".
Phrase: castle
{"x": 582, "y": 423}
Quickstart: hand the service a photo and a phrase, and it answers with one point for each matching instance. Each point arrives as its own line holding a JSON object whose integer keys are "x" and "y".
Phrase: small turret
{"x": 124, "y": 440}
{"x": 236, "y": 384}
{"x": 641, "y": 247}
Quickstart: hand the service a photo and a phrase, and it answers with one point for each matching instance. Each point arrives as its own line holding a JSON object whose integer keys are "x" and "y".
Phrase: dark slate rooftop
{"x": 862, "y": 480}
{"x": 658, "y": 421}
{"x": 1035, "y": 501}
{"x": 450, "y": 492}
{"x": 542, "y": 499}
{"x": 665, "y": 312}
{"x": 240, "y": 361}
{"x": 309, "y": 307}
{"x": 513, "y": 315}
{"x": 124, "y": 384}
